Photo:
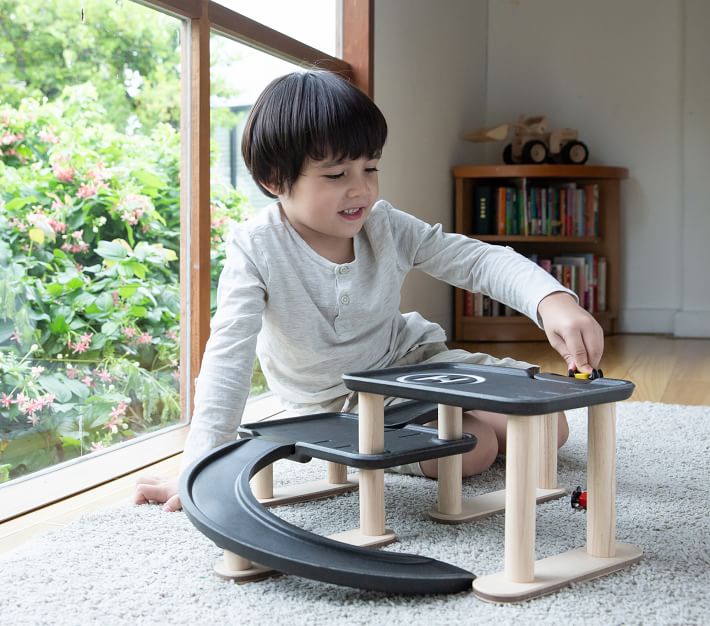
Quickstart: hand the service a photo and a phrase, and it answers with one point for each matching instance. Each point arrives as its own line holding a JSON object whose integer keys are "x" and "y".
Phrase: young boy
{"x": 312, "y": 285}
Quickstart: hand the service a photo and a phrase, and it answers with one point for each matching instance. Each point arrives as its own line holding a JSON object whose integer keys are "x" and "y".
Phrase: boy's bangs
{"x": 345, "y": 125}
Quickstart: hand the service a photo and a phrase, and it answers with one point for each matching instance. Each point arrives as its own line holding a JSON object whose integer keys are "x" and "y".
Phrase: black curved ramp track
{"x": 217, "y": 498}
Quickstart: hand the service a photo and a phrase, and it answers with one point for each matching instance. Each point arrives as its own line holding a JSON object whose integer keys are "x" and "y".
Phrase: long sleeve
{"x": 496, "y": 271}
{"x": 223, "y": 384}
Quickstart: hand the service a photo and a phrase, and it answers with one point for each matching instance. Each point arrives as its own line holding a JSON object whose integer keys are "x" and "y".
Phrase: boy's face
{"x": 331, "y": 200}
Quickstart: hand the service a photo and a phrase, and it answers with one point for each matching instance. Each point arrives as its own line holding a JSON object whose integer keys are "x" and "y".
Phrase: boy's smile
{"x": 329, "y": 203}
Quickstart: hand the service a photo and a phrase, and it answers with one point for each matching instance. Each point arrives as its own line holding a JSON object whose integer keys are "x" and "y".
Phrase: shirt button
{"x": 343, "y": 269}
{"x": 345, "y": 299}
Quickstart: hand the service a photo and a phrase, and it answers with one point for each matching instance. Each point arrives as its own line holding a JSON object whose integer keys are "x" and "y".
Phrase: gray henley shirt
{"x": 310, "y": 320}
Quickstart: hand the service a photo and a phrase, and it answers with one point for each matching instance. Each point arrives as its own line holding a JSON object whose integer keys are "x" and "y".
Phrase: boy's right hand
{"x": 158, "y": 489}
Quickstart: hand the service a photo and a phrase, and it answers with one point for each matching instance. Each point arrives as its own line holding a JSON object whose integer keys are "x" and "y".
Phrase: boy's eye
{"x": 334, "y": 176}
{"x": 371, "y": 170}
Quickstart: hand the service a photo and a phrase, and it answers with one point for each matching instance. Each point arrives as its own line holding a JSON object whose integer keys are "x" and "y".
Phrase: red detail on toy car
{"x": 579, "y": 499}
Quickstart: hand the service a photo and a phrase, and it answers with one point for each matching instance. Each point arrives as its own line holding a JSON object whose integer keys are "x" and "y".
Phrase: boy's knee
{"x": 484, "y": 454}
{"x": 562, "y": 430}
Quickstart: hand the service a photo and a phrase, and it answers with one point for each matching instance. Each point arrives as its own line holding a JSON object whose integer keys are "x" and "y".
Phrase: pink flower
{"x": 57, "y": 227}
{"x": 171, "y": 334}
{"x": 104, "y": 376}
{"x": 36, "y": 371}
{"x": 133, "y": 207}
{"x": 48, "y": 399}
{"x": 62, "y": 173}
{"x": 19, "y": 224}
{"x": 79, "y": 246}
{"x": 119, "y": 410}
{"x": 145, "y": 338}
{"x": 96, "y": 446}
{"x": 71, "y": 370}
{"x": 9, "y": 138}
{"x": 80, "y": 347}
{"x": 86, "y": 191}
{"x": 88, "y": 381}
{"x": 129, "y": 332}
{"x": 98, "y": 173}
{"x": 6, "y": 400}
{"x": 48, "y": 136}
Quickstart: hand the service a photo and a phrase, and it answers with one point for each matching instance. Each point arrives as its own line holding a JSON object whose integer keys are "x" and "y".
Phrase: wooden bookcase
{"x": 605, "y": 244}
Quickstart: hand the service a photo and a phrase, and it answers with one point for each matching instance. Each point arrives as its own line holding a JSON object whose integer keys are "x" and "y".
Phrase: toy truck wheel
{"x": 574, "y": 152}
{"x": 535, "y": 151}
{"x": 508, "y": 154}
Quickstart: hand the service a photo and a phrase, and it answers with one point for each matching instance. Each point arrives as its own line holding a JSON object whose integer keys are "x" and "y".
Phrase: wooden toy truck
{"x": 534, "y": 143}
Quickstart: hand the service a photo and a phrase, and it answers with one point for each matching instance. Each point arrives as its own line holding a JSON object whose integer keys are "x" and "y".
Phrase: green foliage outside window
{"x": 89, "y": 229}
{"x": 89, "y": 292}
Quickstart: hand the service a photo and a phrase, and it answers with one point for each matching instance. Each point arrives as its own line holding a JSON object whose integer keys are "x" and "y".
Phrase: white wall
{"x": 632, "y": 75}
{"x": 429, "y": 82}
{"x": 693, "y": 318}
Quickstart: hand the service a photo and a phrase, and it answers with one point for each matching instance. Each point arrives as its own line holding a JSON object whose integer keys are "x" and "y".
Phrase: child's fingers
{"x": 572, "y": 349}
{"x": 173, "y": 504}
{"x": 147, "y": 492}
{"x": 579, "y": 354}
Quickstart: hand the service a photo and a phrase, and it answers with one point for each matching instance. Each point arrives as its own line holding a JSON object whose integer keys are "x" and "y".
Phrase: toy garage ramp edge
{"x": 489, "y": 387}
{"x": 217, "y": 498}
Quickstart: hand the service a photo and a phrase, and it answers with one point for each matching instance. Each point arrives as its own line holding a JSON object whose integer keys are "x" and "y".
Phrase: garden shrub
{"x": 89, "y": 287}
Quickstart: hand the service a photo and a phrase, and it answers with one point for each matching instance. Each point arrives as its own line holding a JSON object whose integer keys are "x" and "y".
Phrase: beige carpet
{"x": 138, "y": 565}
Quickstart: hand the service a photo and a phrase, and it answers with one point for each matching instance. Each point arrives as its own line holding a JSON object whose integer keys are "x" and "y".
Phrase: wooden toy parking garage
{"x": 226, "y": 493}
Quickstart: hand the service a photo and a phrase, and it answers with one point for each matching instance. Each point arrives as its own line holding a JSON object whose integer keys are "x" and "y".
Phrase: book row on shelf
{"x": 585, "y": 274}
{"x": 566, "y": 209}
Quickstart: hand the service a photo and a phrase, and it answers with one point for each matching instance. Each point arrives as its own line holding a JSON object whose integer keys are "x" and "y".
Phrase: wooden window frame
{"x": 201, "y": 17}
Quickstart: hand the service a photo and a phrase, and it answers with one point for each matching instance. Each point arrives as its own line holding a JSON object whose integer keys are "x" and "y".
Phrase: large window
{"x": 112, "y": 211}
{"x": 314, "y": 22}
{"x": 89, "y": 228}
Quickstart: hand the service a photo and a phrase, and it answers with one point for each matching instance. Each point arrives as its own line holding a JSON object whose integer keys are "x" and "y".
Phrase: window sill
{"x": 54, "y": 484}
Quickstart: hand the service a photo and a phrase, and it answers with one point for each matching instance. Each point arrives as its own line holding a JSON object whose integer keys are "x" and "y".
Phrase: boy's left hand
{"x": 572, "y": 331}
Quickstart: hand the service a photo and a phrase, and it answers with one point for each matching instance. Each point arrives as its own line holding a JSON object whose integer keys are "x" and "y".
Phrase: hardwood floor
{"x": 664, "y": 369}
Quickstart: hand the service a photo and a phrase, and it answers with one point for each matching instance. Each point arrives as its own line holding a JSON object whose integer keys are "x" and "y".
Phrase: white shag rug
{"x": 138, "y": 565}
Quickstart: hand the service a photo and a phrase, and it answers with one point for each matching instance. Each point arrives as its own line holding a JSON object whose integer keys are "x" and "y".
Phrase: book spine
{"x": 482, "y": 207}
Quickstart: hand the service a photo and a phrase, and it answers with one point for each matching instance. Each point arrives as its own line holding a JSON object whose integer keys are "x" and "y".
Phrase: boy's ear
{"x": 271, "y": 188}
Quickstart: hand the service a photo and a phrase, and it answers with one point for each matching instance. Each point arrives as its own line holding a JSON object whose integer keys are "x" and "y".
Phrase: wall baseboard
{"x": 692, "y": 324}
{"x": 665, "y": 322}
{"x": 646, "y": 321}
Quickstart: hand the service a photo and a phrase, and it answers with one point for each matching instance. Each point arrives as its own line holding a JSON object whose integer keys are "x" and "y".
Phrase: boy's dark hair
{"x": 316, "y": 115}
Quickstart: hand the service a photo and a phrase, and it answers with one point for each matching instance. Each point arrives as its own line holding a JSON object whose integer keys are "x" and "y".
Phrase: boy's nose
{"x": 357, "y": 187}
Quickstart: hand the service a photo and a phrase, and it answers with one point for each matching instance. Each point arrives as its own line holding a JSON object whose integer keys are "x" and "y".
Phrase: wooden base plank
{"x": 555, "y": 572}
{"x": 312, "y": 490}
{"x": 356, "y": 537}
{"x": 488, "y": 504}
{"x": 254, "y": 573}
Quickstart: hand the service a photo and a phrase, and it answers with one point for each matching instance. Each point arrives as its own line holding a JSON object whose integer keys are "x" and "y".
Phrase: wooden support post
{"x": 241, "y": 570}
{"x": 522, "y": 578}
{"x": 450, "y": 426}
{"x": 521, "y": 471}
{"x": 601, "y": 480}
{"x": 371, "y": 437}
{"x": 547, "y": 478}
{"x": 262, "y": 483}
{"x": 337, "y": 473}
{"x": 371, "y": 440}
{"x": 236, "y": 562}
{"x": 484, "y": 505}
